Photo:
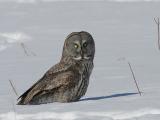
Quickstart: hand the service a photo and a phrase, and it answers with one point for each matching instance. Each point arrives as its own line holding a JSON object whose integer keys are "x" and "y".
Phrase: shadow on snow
{"x": 106, "y": 97}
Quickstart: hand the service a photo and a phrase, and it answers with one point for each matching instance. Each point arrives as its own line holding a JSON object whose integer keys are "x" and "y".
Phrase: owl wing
{"x": 53, "y": 79}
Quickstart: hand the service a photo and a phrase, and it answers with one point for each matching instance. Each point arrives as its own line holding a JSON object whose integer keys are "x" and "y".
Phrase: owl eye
{"x": 75, "y": 45}
{"x": 85, "y": 44}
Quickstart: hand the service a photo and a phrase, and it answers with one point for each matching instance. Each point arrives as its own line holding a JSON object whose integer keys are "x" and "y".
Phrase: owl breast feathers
{"x": 68, "y": 80}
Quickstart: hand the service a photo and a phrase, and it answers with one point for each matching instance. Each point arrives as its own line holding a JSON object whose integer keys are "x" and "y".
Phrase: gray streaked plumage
{"x": 68, "y": 80}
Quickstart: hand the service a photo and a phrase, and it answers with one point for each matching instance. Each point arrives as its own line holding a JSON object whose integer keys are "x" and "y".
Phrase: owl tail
{"x": 21, "y": 102}
{"x": 24, "y": 98}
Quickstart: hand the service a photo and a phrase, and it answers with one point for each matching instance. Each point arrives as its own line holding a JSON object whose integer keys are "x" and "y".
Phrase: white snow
{"x": 122, "y": 31}
{"x": 119, "y": 115}
{"x": 7, "y": 39}
{"x": 36, "y": 1}
{"x": 14, "y": 37}
{"x": 2, "y": 47}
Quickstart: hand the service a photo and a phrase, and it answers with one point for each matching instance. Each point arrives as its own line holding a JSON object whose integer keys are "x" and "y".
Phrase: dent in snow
{"x": 6, "y": 39}
{"x": 2, "y": 47}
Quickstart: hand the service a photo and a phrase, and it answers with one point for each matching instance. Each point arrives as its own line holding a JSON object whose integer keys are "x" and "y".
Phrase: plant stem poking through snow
{"x": 134, "y": 78}
{"x": 157, "y": 22}
{"x": 13, "y": 87}
{"x": 25, "y": 50}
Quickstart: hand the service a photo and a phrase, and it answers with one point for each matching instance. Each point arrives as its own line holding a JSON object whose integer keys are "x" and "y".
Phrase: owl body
{"x": 68, "y": 80}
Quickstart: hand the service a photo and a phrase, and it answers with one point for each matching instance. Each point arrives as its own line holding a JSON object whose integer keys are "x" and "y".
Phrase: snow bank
{"x": 135, "y": 0}
{"x": 34, "y": 1}
{"x": 119, "y": 115}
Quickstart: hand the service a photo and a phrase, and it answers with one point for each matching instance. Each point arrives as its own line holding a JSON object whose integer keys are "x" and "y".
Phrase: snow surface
{"x": 35, "y": 1}
{"x": 122, "y": 31}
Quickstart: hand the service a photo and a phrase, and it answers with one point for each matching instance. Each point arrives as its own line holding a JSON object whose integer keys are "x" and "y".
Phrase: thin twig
{"x": 13, "y": 87}
{"x": 33, "y": 53}
{"x": 157, "y": 22}
{"x": 134, "y": 78}
{"x": 24, "y": 49}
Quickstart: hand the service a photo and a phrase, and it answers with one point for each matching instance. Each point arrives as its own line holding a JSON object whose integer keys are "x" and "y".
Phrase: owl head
{"x": 79, "y": 46}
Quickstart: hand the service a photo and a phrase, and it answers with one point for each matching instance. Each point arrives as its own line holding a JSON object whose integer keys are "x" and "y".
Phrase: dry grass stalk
{"x": 134, "y": 78}
{"x": 25, "y": 50}
{"x": 157, "y": 22}
{"x": 13, "y": 88}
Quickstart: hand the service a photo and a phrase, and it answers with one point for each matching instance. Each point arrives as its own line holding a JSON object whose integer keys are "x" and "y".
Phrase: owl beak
{"x": 82, "y": 55}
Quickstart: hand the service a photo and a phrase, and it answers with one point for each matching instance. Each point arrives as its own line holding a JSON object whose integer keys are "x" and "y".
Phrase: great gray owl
{"x": 68, "y": 80}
